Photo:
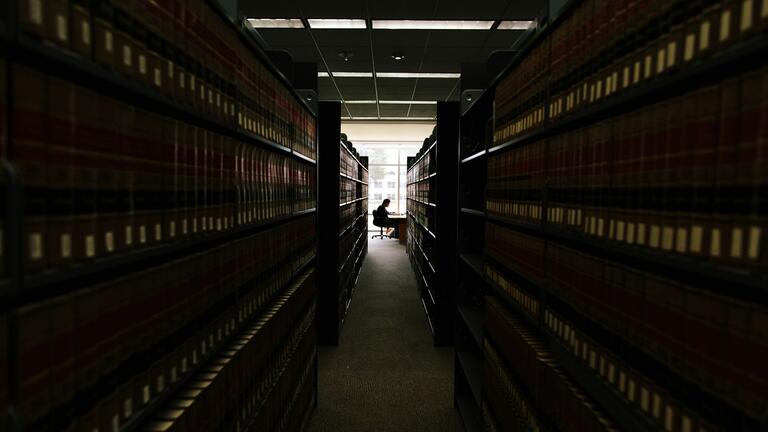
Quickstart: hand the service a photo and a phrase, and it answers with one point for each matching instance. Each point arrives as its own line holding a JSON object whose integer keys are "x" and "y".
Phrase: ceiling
{"x": 425, "y": 50}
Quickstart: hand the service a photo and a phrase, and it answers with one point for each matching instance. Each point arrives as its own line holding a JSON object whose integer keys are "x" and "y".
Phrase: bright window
{"x": 387, "y": 167}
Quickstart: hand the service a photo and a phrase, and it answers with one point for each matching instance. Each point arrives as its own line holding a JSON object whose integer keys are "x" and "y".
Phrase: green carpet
{"x": 385, "y": 375}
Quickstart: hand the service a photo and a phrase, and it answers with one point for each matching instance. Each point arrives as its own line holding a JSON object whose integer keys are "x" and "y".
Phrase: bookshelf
{"x": 623, "y": 215}
{"x": 431, "y": 190}
{"x": 470, "y": 287}
{"x": 158, "y": 187}
{"x": 343, "y": 203}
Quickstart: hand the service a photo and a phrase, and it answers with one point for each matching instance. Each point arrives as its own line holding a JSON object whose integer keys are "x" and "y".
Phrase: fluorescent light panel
{"x": 275, "y": 23}
{"x": 346, "y": 74}
{"x": 391, "y": 102}
{"x": 390, "y": 118}
{"x": 417, "y": 75}
{"x": 337, "y": 24}
{"x": 515, "y": 25}
{"x": 431, "y": 25}
{"x": 390, "y": 75}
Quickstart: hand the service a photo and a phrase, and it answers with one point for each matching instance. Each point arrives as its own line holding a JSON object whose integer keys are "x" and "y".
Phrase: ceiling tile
{"x": 363, "y": 110}
{"x": 423, "y": 111}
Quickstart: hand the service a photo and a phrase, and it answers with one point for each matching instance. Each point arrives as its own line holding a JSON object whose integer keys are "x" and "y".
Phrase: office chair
{"x": 381, "y": 234}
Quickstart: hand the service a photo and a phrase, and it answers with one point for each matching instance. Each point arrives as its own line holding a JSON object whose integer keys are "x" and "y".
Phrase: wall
{"x": 386, "y": 131}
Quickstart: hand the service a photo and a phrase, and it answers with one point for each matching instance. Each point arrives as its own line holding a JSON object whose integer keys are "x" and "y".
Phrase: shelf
{"x": 423, "y": 202}
{"x": 473, "y": 212}
{"x": 474, "y": 261}
{"x": 429, "y": 261}
{"x": 469, "y": 413}
{"x": 473, "y": 319}
{"x": 625, "y": 417}
{"x": 528, "y": 41}
{"x": 716, "y": 68}
{"x": 56, "y": 61}
{"x": 657, "y": 370}
{"x": 423, "y": 154}
{"x": 141, "y": 417}
{"x": 429, "y": 319}
{"x": 304, "y": 158}
{"x": 475, "y": 157}
{"x": 422, "y": 226}
{"x": 351, "y": 226}
{"x": 243, "y": 32}
{"x": 352, "y": 202}
{"x": 344, "y": 146}
{"x": 352, "y": 251}
{"x": 735, "y": 283}
{"x": 472, "y": 366}
{"x": 38, "y": 286}
{"x": 352, "y": 178}
{"x": 429, "y": 177}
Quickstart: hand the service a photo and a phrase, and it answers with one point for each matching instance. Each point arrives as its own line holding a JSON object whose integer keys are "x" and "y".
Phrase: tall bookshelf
{"x": 158, "y": 223}
{"x": 625, "y": 223}
{"x": 343, "y": 203}
{"x": 431, "y": 190}
{"x": 476, "y": 125}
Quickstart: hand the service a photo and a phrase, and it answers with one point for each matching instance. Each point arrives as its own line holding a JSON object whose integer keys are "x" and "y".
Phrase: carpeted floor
{"x": 385, "y": 375}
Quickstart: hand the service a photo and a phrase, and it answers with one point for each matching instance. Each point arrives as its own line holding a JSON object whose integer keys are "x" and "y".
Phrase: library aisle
{"x": 385, "y": 375}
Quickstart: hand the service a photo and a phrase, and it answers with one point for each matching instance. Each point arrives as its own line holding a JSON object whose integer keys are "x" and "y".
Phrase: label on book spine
{"x": 61, "y": 28}
{"x": 36, "y": 11}
{"x": 85, "y": 31}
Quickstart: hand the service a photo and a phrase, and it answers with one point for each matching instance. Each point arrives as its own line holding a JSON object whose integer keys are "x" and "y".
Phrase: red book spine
{"x": 31, "y": 161}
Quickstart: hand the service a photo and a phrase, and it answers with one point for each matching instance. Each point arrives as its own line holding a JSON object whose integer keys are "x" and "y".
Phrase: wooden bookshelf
{"x": 343, "y": 203}
{"x": 432, "y": 177}
{"x": 564, "y": 243}
{"x": 169, "y": 223}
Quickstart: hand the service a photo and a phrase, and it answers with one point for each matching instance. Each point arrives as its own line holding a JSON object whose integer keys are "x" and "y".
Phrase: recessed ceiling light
{"x": 337, "y": 23}
{"x": 275, "y": 23}
{"x": 346, "y": 74}
{"x": 398, "y": 56}
{"x": 515, "y": 25}
{"x": 431, "y": 25}
{"x": 346, "y": 55}
{"x": 417, "y": 75}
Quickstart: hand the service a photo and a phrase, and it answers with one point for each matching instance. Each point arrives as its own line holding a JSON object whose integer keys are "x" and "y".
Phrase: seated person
{"x": 381, "y": 219}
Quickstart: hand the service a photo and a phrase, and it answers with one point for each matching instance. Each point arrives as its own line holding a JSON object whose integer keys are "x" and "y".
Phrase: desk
{"x": 402, "y": 226}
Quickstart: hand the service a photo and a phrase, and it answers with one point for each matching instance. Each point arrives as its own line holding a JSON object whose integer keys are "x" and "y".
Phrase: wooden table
{"x": 402, "y": 226}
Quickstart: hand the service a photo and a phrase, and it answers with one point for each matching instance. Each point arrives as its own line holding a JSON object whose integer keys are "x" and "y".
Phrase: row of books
{"x": 102, "y": 353}
{"x": 422, "y": 213}
{"x": 685, "y": 176}
{"x": 696, "y": 334}
{"x": 254, "y": 383}
{"x": 546, "y": 397}
{"x": 520, "y": 97}
{"x": 348, "y": 159}
{"x": 348, "y": 215}
{"x": 664, "y": 37}
{"x": 507, "y": 405}
{"x": 696, "y": 29}
{"x": 182, "y": 49}
{"x": 102, "y": 177}
{"x": 349, "y": 190}
{"x": 676, "y": 47}
{"x": 423, "y": 169}
{"x": 424, "y": 191}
